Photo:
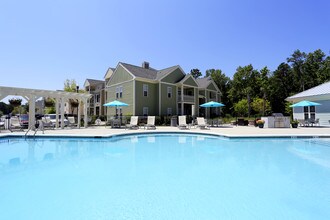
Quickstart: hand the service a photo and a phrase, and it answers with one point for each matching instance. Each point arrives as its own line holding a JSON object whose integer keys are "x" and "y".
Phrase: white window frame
{"x": 145, "y": 111}
{"x": 121, "y": 92}
{"x": 145, "y": 89}
{"x": 169, "y": 111}
{"x": 117, "y": 92}
{"x": 169, "y": 92}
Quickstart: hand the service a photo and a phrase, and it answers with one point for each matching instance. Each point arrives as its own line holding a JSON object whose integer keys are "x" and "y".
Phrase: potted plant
{"x": 294, "y": 123}
{"x": 260, "y": 123}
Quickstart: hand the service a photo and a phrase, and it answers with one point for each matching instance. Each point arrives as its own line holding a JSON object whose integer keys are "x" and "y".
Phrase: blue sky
{"x": 45, "y": 42}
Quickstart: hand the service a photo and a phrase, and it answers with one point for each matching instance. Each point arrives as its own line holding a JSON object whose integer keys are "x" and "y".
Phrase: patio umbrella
{"x": 212, "y": 104}
{"x": 115, "y": 103}
{"x": 304, "y": 104}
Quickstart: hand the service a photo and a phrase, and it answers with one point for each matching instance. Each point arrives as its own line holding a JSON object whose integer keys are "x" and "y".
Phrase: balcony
{"x": 186, "y": 98}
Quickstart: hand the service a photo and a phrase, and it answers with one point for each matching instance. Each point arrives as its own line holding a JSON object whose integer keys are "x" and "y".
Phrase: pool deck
{"x": 226, "y": 131}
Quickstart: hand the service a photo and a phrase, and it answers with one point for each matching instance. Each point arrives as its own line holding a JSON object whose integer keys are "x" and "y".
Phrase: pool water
{"x": 165, "y": 177}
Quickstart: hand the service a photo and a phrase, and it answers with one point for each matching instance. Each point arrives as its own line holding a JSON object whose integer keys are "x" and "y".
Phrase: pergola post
{"x": 57, "y": 102}
{"x": 32, "y": 111}
{"x": 79, "y": 114}
{"x": 85, "y": 114}
{"x": 62, "y": 112}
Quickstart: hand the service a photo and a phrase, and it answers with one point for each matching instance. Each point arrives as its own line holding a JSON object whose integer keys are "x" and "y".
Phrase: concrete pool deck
{"x": 226, "y": 131}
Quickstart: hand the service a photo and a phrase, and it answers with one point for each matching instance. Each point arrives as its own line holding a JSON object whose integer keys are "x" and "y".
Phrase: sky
{"x": 45, "y": 42}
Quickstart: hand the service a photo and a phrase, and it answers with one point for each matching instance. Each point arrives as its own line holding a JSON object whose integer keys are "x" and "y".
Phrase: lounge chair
{"x": 150, "y": 123}
{"x": 202, "y": 124}
{"x": 133, "y": 123}
{"x": 15, "y": 124}
{"x": 182, "y": 122}
{"x": 72, "y": 122}
{"x": 47, "y": 123}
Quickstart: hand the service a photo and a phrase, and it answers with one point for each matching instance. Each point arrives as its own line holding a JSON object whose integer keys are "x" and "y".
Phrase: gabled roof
{"x": 321, "y": 91}
{"x": 109, "y": 69}
{"x": 186, "y": 77}
{"x": 204, "y": 82}
{"x": 164, "y": 72}
{"x": 93, "y": 82}
{"x": 140, "y": 71}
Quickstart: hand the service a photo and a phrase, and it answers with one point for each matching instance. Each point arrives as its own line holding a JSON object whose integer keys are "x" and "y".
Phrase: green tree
{"x": 195, "y": 73}
{"x": 281, "y": 87}
{"x": 241, "y": 108}
{"x": 264, "y": 87}
{"x": 223, "y": 82}
{"x": 70, "y": 85}
{"x": 261, "y": 106}
{"x": 244, "y": 85}
{"x": 297, "y": 61}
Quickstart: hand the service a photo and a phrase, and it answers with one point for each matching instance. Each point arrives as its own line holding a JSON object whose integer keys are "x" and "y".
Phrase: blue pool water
{"x": 165, "y": 177}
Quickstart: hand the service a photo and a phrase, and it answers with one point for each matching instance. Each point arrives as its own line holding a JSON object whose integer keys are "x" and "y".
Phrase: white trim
{"x": 127, "y": 70}
{"x": 171, "y": 92}
{"x": 120, "y": 83}
{"x": 146, "y": 80}
{"x": 189, "y": 76}
{"x": 177, "y": 67}
{"x": 145, "y": 88}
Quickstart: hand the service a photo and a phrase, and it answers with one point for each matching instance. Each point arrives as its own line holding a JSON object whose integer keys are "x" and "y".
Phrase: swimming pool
{"x": 160, "y": 176}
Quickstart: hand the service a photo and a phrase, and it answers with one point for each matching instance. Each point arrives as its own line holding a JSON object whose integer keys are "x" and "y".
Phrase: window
{"x": 169, "y": 92}
{"x": 306, "y": 115}
{"x": 121, "y": 92}
{"x": 117, "y": 92}
{"x": 97, "y": 97}
{"x": 169, "y": 111}
{"x": 145, "y": 90}
{"x": 145, "y": 111}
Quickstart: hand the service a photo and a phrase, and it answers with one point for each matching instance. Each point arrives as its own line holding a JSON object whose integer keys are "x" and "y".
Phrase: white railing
{"x": 186, "y": 98}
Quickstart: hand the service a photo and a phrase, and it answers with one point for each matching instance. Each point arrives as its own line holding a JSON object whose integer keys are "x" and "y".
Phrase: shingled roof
{"x": 140, "y": 71}
{"x": 203, "y": 82}
{"x": 94, "y": 82}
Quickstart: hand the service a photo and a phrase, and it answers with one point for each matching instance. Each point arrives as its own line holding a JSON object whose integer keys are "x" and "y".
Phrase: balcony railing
{"x": 186, "y": 98}
{"x": 213, "y": 99}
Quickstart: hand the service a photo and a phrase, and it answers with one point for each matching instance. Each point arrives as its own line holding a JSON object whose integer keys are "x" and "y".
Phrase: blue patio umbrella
{"x": 115, "y": 103}
{"x": 304, "y": 104}
{"x": 212, "y": 104}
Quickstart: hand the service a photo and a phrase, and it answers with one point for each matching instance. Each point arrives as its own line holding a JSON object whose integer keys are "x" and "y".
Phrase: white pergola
{"x": 31, "y": 95}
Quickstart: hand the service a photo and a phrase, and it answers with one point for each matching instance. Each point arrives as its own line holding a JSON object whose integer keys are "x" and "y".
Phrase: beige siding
{"x": 212, "y": 87}
{"x": 190, "y": 82}
{"x": 168, "y": 102}
{"x": 174, "y": 77}
{"x": 150, "y": 101}
{"x": 120, "y": 75}
{"x": 127, "y": 98}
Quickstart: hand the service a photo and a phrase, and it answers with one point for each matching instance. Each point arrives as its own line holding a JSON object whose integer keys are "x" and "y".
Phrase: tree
{"x": 261, "y": 106}
{"x": 297, "y": 60}
{"x": 241, "y": 107}
{"x": 244, "y": 85}
{"x": 195, "y": 73}
{"x": 223, "y": 82}
{"x": 71, "y": 86}
{"x": 264, "y": 86}
{"x": 281, "y": 87}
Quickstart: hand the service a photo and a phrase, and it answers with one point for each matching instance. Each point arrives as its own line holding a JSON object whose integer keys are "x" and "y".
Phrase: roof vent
{"x": 145, "y": 65}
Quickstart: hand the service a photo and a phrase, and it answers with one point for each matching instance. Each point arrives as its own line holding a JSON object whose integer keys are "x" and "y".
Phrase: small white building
{"x": 319, "y": 94}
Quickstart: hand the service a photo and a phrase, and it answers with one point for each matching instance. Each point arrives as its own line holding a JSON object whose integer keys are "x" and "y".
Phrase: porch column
{"x": 62, "y": 112}
{"x": 57, "y": 103}
{"x": 196, "y": 102}
{"x": 206, "y": 100}
{"x": 217, "y": 109}
{"x": 79, "y": 114}
{"x": 182, "y": 100}
{"x": 85, "y": 114}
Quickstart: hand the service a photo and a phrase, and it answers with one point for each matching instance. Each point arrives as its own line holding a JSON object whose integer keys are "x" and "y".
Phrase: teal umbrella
{"x": 115, "y": 103}
{"x": 212, "y": 104}
{"x": 304, "y": 104}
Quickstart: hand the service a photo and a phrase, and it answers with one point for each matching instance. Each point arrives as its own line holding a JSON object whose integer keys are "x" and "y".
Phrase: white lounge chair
{"x": 47, "y": 123}
{"x": 202, "y": 124}
{"x": 15, "y": 124}
{"x": 133, "y": 123}
{"x": 182, "y": 122}
{"x": 72, "y": 122}
{"x": 150, "y": 123}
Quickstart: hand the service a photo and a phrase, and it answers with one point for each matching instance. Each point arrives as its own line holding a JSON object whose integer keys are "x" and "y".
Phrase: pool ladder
{"x": 35, "y": 131}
